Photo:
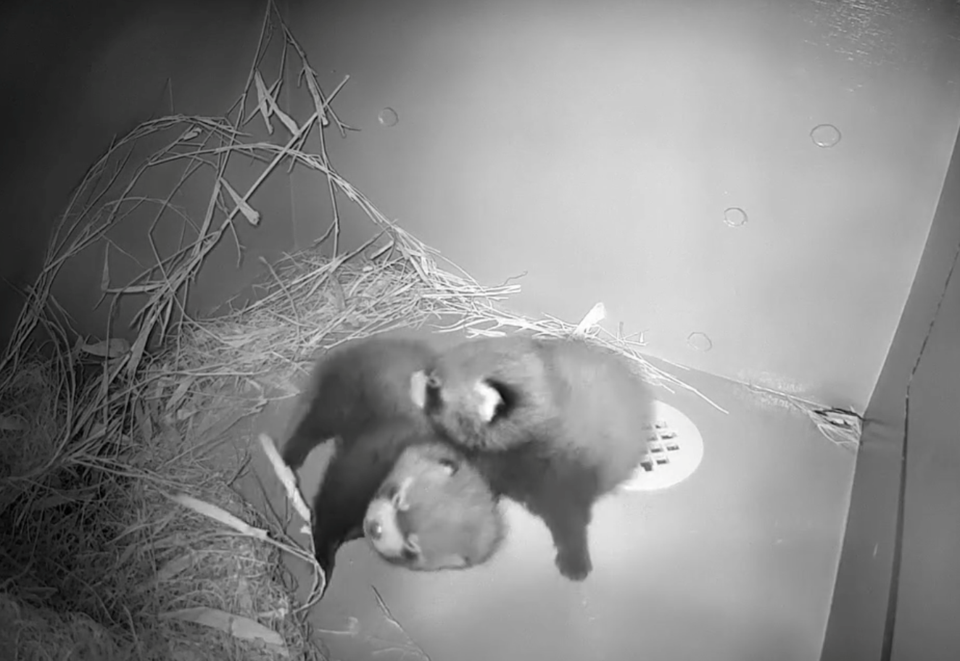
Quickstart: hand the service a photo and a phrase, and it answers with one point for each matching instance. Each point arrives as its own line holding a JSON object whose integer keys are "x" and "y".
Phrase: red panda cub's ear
{"x": 400, "y": 500}
{"x": 419, "y": 382}
{"x": 488, "y": 401}
{"x": 411, "y": 547}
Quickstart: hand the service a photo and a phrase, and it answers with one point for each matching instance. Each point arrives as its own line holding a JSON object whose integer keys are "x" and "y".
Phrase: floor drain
{"x": 676, "y": 450}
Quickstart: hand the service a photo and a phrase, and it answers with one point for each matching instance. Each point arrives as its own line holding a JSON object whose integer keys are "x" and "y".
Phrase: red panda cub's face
{"x": 433, "y": 512}
{"x": 381, "y": 526}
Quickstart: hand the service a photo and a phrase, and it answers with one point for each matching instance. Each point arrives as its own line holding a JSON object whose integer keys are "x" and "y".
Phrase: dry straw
{"x": 120, "y": 533}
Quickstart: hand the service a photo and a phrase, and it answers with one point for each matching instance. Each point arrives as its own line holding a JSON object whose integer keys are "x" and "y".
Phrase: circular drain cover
{"x": 675, "y": 451}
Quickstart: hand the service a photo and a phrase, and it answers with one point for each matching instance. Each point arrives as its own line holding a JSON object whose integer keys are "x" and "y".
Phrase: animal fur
{"x": 356, "y": 387}
{"x": 552, "y": 424}
{"x": 360, "y": 397}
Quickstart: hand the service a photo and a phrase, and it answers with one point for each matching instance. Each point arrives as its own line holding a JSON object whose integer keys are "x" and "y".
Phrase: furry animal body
{"x": 434, "y": 512}
{"x": 551, "y": 424}
{"x": 356, "y": 387}
{"x": 360, "y": 397}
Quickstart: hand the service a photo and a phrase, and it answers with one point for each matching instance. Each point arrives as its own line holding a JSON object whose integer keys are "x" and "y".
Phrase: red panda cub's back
{"x": 552, "y": 424}
{"x": 356, "y": 387}
{"x": 434, "y": 512}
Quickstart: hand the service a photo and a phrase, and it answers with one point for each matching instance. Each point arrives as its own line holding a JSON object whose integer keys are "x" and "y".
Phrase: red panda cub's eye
{"x": 390, "y": 492}
{"x": 450, "y": 465}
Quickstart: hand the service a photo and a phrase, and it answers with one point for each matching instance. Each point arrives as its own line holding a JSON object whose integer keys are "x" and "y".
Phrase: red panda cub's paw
{"x": 572, "y": 565}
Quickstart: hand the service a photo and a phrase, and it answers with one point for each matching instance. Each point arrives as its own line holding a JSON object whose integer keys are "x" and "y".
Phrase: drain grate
{"x": 675, "y": 450}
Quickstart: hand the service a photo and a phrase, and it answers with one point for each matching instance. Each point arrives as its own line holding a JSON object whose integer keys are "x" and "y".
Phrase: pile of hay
{"x": 98, "y": 561}
{"x": 121, "y": 535}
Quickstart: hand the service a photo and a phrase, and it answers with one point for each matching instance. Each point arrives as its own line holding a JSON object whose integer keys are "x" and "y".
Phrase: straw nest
{"x": 121, "y": 535}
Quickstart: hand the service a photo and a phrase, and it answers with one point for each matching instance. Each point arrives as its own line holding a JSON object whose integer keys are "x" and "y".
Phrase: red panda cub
{"x": 434, "y": 512}
{"x": 360, "y": 396}
{"x": 552, "y": 424}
